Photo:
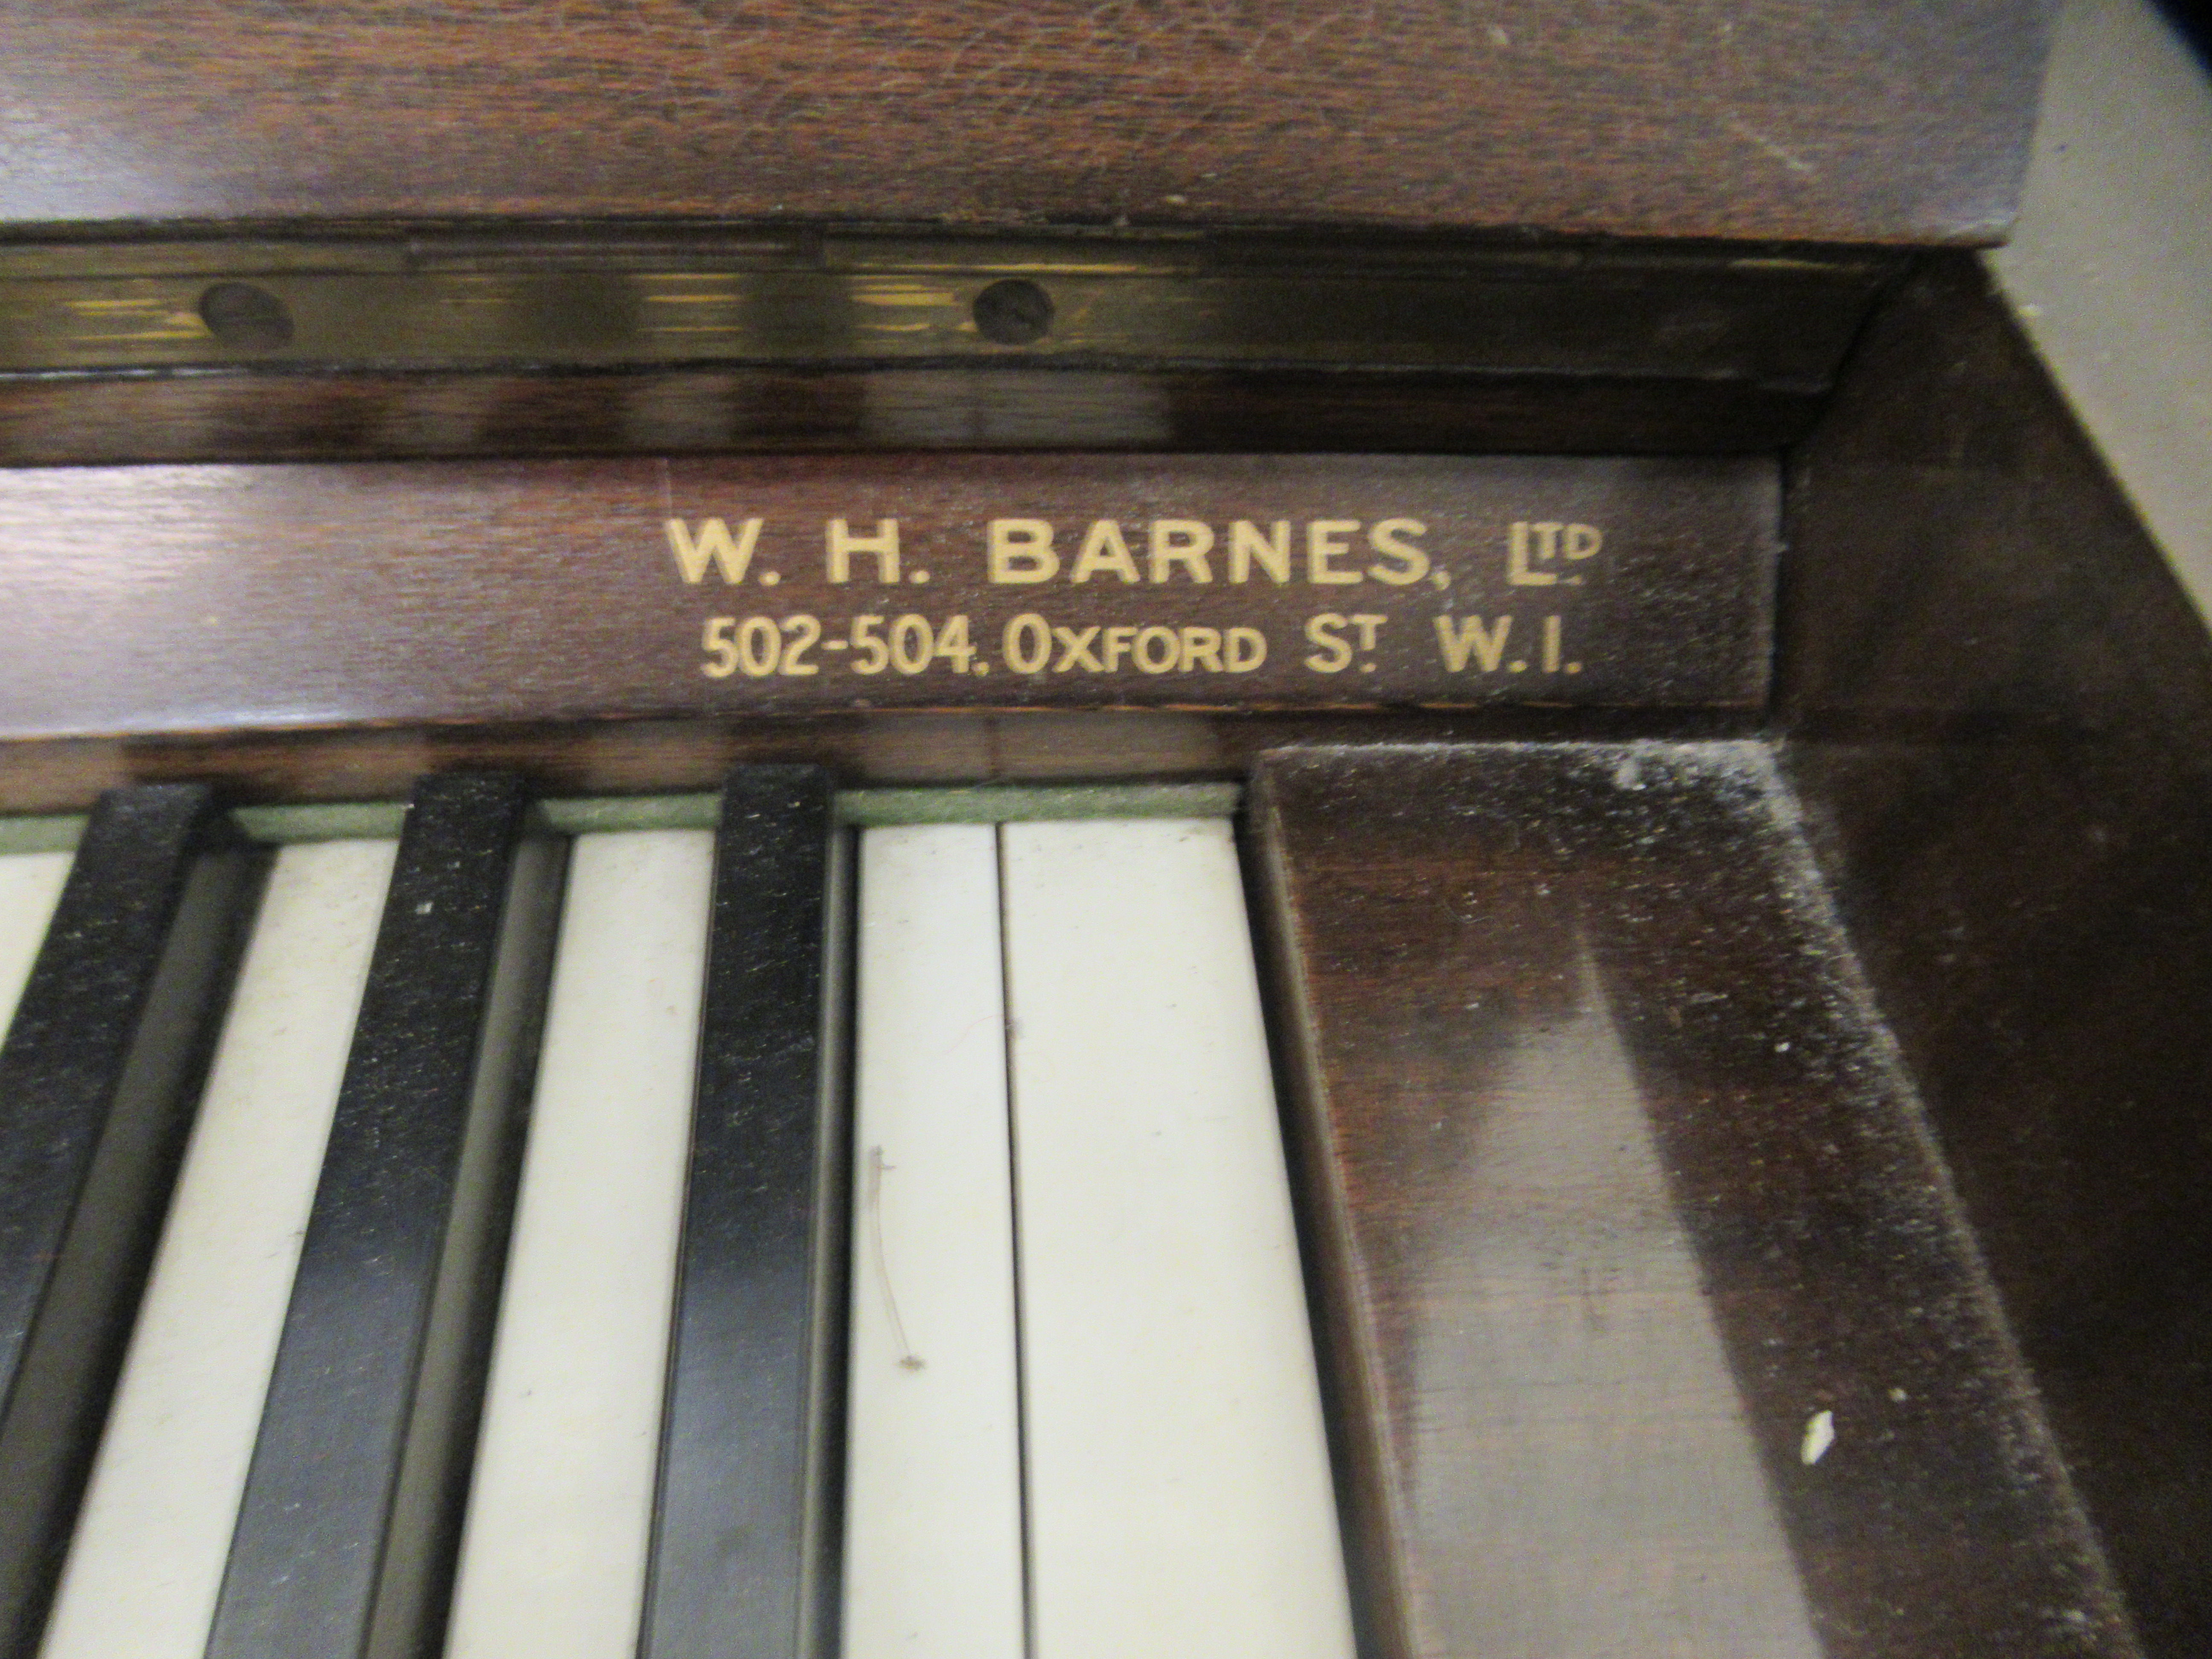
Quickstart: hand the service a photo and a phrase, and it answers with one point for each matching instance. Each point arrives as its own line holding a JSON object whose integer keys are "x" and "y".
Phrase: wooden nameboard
{"x": 177, "y": 599}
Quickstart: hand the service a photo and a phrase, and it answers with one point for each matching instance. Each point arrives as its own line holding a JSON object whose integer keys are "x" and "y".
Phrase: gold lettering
{"x": 1583, "y": 541}
{"x": 1486, "y": 645}
{"x": 1027, "y": 643}
{"x": 1020, "y": 551}
{"x": 1160, "y": 661}
{"x": 1517, "y": 571}
{"x": 806, "y": 633}
{"x": 713, "y": 542}
{"x": 1272, "y": 550}
{"x": 719, "y": 641}
{"x": 1201, "y": 648}
{"x": 1246, "y": 649}
{"x": 1335, "y": 655}
{"x": 1409, "y": 563}
{"x": 1184, "y": 542}
{"x": 1075, "y": 650}
{"x": 843, "y": 543}
{"x": 1325, "y": 540}
{"x": 1104, "y": 550}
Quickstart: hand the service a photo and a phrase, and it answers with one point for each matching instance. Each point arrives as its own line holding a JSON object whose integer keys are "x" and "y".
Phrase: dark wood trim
{"x": 420, "y": 341}
{"x": 257, "y": 415}
{"x": 1997, "y": 703}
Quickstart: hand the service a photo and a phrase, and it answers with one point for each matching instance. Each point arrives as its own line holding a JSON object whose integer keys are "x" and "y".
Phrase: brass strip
{"x": 395, "y": 305}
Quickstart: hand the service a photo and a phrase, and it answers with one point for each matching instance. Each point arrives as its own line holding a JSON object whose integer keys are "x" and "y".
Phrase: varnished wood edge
{"x": 1564, "y": 344}
{"x": 1361, "y": 1442}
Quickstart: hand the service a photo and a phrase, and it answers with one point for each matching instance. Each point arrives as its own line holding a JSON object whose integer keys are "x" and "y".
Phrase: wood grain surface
{"x": 1656, "y": 1329}
{"x": 1998, "y": 703}
{"x": 173, "y": 599}
{"x": 1857, "y": 121}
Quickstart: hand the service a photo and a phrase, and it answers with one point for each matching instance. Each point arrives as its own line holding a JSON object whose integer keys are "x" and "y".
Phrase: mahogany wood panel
{"x": 266, "y": 597}
{"x": 1861, "y": 120}
{"x": 1564, "y": 1017}
{"x": 1999, "y": 702}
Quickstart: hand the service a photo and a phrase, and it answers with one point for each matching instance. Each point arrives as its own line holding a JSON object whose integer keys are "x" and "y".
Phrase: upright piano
{"x": 1157, "y": 830}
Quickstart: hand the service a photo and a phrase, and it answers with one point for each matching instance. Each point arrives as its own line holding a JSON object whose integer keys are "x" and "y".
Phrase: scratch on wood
{"x": 1788, "y": 158}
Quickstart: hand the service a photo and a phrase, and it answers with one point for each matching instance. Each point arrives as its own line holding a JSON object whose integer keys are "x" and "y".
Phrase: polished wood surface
{"x": 524, "y": 339}
{"x": 1993, "y": 715}
{"x": 1655, "y": 1325}
{"x": 1751, "y": 118}
{"x": 245, "y": 598}
{"x": 1996, "y": 708}
{"x": 1997, "y": 702}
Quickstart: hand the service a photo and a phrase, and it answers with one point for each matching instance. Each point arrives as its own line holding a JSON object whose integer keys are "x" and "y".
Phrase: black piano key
{"x": 346, "y": 1533}
{"x": 98, "y": 1080}
{"x": 741, "y": 1562}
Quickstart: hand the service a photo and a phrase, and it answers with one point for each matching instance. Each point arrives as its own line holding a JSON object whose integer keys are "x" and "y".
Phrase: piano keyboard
{"x": 1079, "y": 1411}
{"x": 511, "y": 1239}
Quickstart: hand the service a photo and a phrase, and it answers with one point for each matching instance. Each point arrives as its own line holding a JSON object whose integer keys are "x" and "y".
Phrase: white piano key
{"x": 1179, "y": 1491}
{"x": 932, "y": 1519}
{"x": 30, "y": 883}
{"x": 147, "y": 1557}
{"x": 553, "y": 1558}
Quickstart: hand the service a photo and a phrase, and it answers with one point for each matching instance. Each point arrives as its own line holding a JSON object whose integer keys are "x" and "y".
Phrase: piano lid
{"x": 1860, "y": 121}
